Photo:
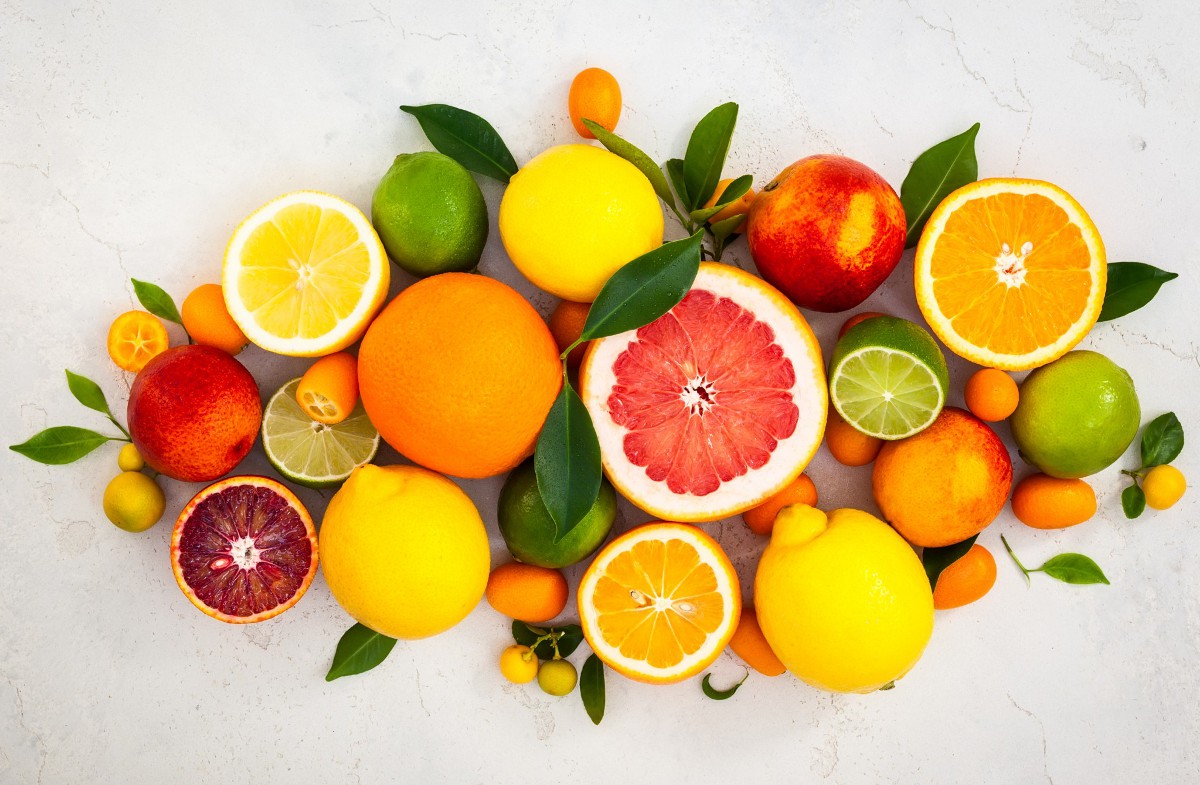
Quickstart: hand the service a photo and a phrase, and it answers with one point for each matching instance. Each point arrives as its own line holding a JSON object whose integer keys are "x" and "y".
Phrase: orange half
{"x": 1010, "y": 273}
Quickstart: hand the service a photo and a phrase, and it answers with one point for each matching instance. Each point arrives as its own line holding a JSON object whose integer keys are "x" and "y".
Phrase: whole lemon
{"x": 133, "y": 501}
{"x": 575, "y": 214}
{"x": 842, "y": 599}
{"x": 404, "y": 550}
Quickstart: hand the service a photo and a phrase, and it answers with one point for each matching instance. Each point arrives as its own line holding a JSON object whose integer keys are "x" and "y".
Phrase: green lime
{"x": 430, "y": 215}
{"x": 528, "y": 529}
{"x": 1076, "y": 415}
{"x": 310, "y": 453}
{"x": 888, "y": 378}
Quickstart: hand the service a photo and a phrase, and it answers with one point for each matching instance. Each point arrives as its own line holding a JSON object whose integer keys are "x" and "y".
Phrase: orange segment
{"x": 1010, "y": 273}
{"x": 134, "y": 338}
{"x": 660, "y": 603}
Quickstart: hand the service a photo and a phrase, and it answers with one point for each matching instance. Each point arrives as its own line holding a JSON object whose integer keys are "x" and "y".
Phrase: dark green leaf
{"x": 1162, "y": 441}
{"x": 359, "y": 650}
{"x": 568, "y": 641}
{"x": 644, "y": 289}
{"x": 156, "y": 301}
{"x": 467, "y": 138}
{"x": 567, "y": 462}
{"x": 726, "y": 227}
{"x": 706, "y": 151}
{"x": 937, "y": 172}
{"x": 59, "y": 445}
{"x": 635, "y": 156}
{"x": 937, "y": 559}
{"x": 591, "y": 688}
{"x": 87, "y": 392}
{"x": 702, "y": 214}
{"x": 1130, "y": 286}
{"x": 675, "y": 172}
{"x": 720, "y": 695}
{"x": 1133, "y": 501}
{"x": 1073, "y": 568}
{"x": 735, "y": 190}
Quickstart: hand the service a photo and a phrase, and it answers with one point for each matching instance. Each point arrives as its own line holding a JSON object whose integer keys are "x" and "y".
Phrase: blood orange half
{"x": 714, "y": 407}
{"x": 244, "y": 549}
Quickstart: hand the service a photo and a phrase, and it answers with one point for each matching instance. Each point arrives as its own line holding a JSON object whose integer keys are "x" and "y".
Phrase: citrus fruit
{"x": 311, "y": 453}
{"x": 848, "y": 445}
{"x": 1046, "y": 502}
{"x": 404, "y": 551}
{"x": 129, "y": 459}
{"x": 566, "y": 325}
{"x": 557, "y": 677}
{"x": 659, "y": 603}
{"x": 530, "y": 532}
{"x": 134, "y": 338}
{"x": 133, "y": 501}
{"x": 1010, "y": 273}
{"x": 842, "y": 599}
{"x": 888, "y": 378}
{"x": 761, "y": 519}
{"x": 739, "y": 206}
{"x": 208, "y": 322}
{"x": 861, "y": 316}
{"x": 1076, "y": 415}
{"x": 967, "y": 579}
{"x": 304, "y": 274}
{"x": 574, "y": 215}
{"x": 527, "y": 592}
{"x": 519, "y": 664}
{"x": 194, "y": 413}
{"x": 430, "y": 215}
{"x": 827, "y": 231}
{"x": 944, "y": 484}
{"x": 596, "y": 96}
{"x": 328, "y": 390}
{"x": 1163, "y": 485}
{"x": 712, "y": 408}
{"x": 244, "y": 549}
{"x": 749, "y": 643}
{"x": 458, "y": 373}
{"x": 991, "y": 395}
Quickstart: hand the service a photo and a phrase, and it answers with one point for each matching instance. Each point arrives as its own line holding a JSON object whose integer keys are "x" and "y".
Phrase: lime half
{"x": 311, "y": 453}
{"x": 888, "y": 378}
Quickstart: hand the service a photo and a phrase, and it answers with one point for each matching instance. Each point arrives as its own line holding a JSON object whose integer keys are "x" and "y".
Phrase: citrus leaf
{"x": 735, "y": 190}
{"x": 720, "y": 695}
{"x": 1162, "y": 441}
{"x": 644, "y": 163}
{"x": 722, "y": 229}
{"x": 704, "y": 213}
{"x": 155, "y": 300}
{"x": 467, "y": 138}
{"x": 1073, "y": 568}
{"x": 935, "y": 560}
{"x": 88, "y": 393}
{"x": 569, "y": 639}
{"x": 567, "y": 462}
{"x": 359, "y": 650}
{"x": 591, "y": 688}
{"x": 937, "y": 172}
{"x": 61, "y": 444}
{"x": 644, "y": 289}
{"x": 706, "y": 151}
{"x": 1130, "y": 286}
{"x": 1133, "y": 501}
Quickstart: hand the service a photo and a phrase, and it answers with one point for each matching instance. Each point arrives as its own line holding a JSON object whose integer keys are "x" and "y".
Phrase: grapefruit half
{"x": 712, "y": 408}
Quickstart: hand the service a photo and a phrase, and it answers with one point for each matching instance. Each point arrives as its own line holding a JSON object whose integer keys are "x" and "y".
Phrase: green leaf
{"x": 704, "y": 213}
{"x": 644, "y": 163}
{"x": 467, "y": 138}
{"x": 675, "y": 172}
{"x": 591, "y": 688}
{"x": 735, "y": 190}
{"x": 568, "y": 641}
{"x": 706, "y": 151}
{"x": 935, "y": 560}
{"x": 1073, "y": 568}
{"x": 1133, "y": 501}
{"x": 88, "y": 393}
{"x": 937, "y": 172}
{"x": 1162, "y": 441}
{"x": 59, "y": 445}
{"x": 720, "y": 695}
{"x": 156, "y": 301}
{"x": 567, "y": 462}
{"x": 644, "y": 289}
{"x": 1130, "y": 286}
{"x": 722, "y": 229}
{"x": 359, "y": 650}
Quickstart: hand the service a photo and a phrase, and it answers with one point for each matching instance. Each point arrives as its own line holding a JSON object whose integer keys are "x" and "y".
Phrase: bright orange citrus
{"x": 134, "y": 338}
{"x": 739, "y": 206}
{"x": 596, "y": 96}
{"x": 207, "y": 320}
{"x": 991, "y": 395}
{"x": 847, "y": 444}
{"x": 527, "y": 592}
{"x": 566, "y": 325}
{"x": 328, "y": 390}
{"x": 749, "y": 643}
{"x": 761, "y": 519}
{"x": 966, "y": 580}
{"x": 1046, "y": 502}
{"x": 862, "y": 316}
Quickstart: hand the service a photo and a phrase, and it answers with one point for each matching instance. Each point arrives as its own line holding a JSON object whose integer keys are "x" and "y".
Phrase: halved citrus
{"x": 305, "y": 274}
{"x": 135, "y": 338}
{"x": 1010, "y": 273}
{"x": 660, "y": 603}
{"x": 714, "y": 407}
{"x": 244, "y": 549}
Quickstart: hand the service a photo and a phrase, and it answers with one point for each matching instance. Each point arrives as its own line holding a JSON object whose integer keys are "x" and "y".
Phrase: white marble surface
{"x": 134, "y": 137}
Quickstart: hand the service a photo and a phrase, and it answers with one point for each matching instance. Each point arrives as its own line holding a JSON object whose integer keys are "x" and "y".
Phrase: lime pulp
{"x": 886, "y": 393}
{"x": 310, "y": 453}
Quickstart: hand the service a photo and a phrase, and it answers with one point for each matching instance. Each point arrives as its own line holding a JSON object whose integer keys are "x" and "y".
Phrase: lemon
{"x": 842, "y": 599}
{"x": 574, "y": 215}
{"x": 404, "y": 551}
{"x": 133, "y": 501}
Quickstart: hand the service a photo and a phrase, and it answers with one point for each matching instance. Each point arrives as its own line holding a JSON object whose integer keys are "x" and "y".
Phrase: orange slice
{"x": 1010, "y": 273}
{"x": 660, "y": 603}
{"x": 135, "y": 338}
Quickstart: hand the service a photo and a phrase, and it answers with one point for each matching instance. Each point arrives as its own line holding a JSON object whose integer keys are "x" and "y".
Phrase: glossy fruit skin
{"x": 1046, "y": 502}
{"x": 862, "y": 316}
{"x": 848, "y": 445}
{"x": 129, "y": 459}
{"x": 526, "y": 592}
{"x": 991, "y": 395}
{"x": 826, "y": 232}
{"x": 566, "y": 324}
{"x": 519, "y": 664}
{"x": 749, "y": 643}
{"x": 207, "y": 319}
{"x": 557, "y": 677}
{"x": 133, "y": 501}
{"x": 739, "y": 206}
{"x": 1164, "y": 486}
{"x": 529, "y": 531}
{"x": 761, "y": 519}
{"x": 595, "y": 95}
{"x": 328, "y": 390}
{"x": 194, "y": 413}
{"x": 965, "y": 580}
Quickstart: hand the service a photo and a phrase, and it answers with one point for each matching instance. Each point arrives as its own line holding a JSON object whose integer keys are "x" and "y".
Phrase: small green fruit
{"x": 557, "y": 677}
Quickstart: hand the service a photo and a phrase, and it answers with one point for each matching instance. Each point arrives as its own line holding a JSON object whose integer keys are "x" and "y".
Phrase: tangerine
{"x": 1046, "y": 502}
{"x": 207, "y": 319}
{"x": 965, "y": 580}
{"x": 761, "y": 519}
{"x": 749, "y": 643}
{"x": 328, "y": 390}
{"x": 596, "y": 96}
{"x": 991, "y": 395}
{"x": 566, "y": 325}
{"x": 527, "y": 592}
{"x": 850, "y": 446}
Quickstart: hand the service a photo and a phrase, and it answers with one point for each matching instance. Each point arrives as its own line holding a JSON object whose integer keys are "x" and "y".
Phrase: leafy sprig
{"x": 935, "y": 174}
{"x": 65, "y": 444}
{"x": 1162, "y": 441}
{"x": 1066, "y": 567}
{"x": 359, "y": 650}
{"x": 1131, "y": 285}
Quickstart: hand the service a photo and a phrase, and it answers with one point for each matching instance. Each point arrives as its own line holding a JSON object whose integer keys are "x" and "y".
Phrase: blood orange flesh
{"x": 244, "y": 549}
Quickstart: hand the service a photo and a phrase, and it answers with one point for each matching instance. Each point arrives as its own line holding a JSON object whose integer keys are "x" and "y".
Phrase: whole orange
{"x": 944, "y": 484}
{"x": 194, "y": 413}
{"x": 826, "y": 232}
{"x": 991, "y": 394}
{"x": 527, "y": 592}
{"x": 458, "y": 373}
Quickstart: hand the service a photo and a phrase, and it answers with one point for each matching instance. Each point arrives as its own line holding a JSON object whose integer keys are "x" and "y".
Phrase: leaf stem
{"x": 120, "y": 427}
{"x": 1017, "y": 561}
{"x": 1134, "y": 474}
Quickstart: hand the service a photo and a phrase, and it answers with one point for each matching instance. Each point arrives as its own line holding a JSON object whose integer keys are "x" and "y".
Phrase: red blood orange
{"x": 712, "y": 408}
{"x": 244, "y": 549}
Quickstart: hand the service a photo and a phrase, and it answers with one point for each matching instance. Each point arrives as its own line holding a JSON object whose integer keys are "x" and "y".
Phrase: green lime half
{"x": 888, "y": 378}
{"x": 311, "y": 453}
